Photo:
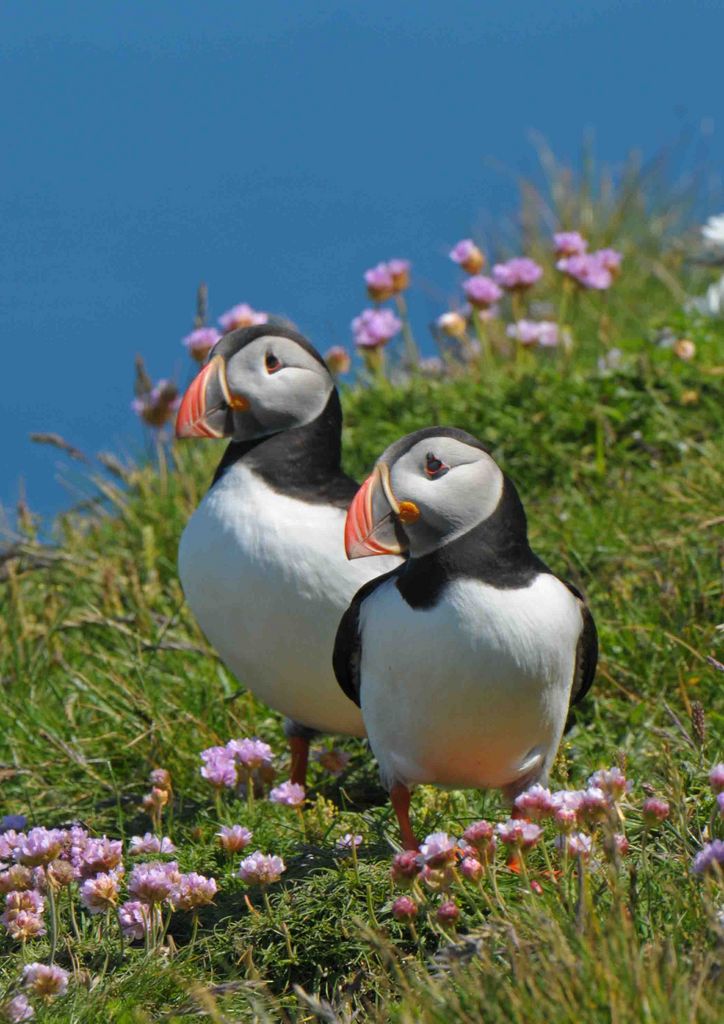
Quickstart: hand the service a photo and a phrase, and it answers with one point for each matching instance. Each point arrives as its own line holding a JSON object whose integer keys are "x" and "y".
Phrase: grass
{"x": 106, "y": 676}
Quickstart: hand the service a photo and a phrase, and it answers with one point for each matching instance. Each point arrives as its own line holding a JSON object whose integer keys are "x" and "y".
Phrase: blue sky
{"x": 276, "y": 150}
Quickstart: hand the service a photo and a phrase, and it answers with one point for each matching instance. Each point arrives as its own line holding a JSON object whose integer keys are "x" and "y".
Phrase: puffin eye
{"x": 434, "y": 467}
{"x": 272, "y": 363}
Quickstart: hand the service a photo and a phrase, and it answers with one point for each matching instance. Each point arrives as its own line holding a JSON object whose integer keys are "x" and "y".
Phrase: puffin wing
{"x": 586, "y": 655}
{"x": 347, "y": 654}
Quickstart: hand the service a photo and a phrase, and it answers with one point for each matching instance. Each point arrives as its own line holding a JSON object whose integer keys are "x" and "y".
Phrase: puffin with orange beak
{"x": 466, "y": 658}
{"x": 262, "y": 559}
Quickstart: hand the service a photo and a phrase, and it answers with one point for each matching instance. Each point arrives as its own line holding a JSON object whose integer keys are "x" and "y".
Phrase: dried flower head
{"x": 157, "y": 406}
{"x": 99, "y": 894}
{"x": 334, "y": 761}
{"x": 452, "y": 323}
{"x": 400, "y": 272}
{"x": 338, "y": 360}
{"x": 45, "y": 980}
{"x": 16, "y": 878}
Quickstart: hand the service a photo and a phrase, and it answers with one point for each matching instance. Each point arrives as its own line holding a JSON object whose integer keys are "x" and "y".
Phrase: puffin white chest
{"x": 473, "y": 691}
{"x": 267, "y": 579}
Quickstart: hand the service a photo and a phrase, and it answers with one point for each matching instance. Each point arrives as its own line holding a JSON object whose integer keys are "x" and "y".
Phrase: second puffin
{"x": 466, "y": 658}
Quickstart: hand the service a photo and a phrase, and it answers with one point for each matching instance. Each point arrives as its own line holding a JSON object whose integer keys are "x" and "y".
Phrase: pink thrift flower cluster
{"x": 290, "y": 794}
{"x": 534, "y": 332}
{"x": 517, "y": 274}
{"x": 481, "y": 291}
{"x": 468, "y": 256}
{"x": 149, "y": 843}
{"x": 238, "y": 762}
{"x": 200, "y": 342}
{"x": 595, "y": 270}
{"x": 45, "y": 980}
{"x": 387, "y": 279}
{"x": 373, "y": 328}
{"x": 261, "y": 869}
{"x": 234, "y": 838}
{"x": 338, "y": 360}
{"x": 159, "y": 405}
{"x": 241, "y": 315}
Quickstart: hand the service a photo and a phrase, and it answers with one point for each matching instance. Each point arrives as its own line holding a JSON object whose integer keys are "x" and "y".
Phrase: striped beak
{"x": 206, "y": 408}
{"x": 375, "y": 518}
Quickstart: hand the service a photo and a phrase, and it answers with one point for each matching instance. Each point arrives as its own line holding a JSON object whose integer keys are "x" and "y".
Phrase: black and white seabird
{"x": 262, "y": 560}
{"x": 466, "y": 658}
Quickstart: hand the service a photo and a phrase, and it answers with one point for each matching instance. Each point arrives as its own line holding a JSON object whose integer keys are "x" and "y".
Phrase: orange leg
{"x": 299, "y": 747}
{"x": 400, "y": 800}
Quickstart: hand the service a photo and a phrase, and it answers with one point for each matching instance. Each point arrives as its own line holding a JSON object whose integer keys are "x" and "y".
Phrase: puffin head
{"x": 256, "y": 381}
{"x": 426, "y": 490}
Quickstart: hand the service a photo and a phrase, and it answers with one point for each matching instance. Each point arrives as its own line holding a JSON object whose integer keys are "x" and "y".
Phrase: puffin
{"x": 466, "y": 658}
{"x": 262, "y": 561}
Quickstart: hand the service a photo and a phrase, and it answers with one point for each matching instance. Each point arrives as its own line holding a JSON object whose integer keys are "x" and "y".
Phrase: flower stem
{"x": 53, "y": 921}
{"x": 411, "y": 352}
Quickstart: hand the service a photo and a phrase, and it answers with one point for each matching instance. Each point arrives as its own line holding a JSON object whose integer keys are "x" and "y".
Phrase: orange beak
{"x": 374, "y": 518}
{"x": 205, "y": 410}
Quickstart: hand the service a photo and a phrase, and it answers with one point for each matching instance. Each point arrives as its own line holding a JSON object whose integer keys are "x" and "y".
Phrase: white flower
{"x": 713, "y": 230}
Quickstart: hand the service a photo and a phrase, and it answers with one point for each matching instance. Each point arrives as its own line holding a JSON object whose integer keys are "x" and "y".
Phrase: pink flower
{"x": 291, "y": 794}
{"x": 100, "y": 855}
{"x": 375, "y": 327}
{"x": 569, "y": 243}
{"x": 471, "y": 869}
{"x": 437, "y": 879}
{"x": 338, "y": 360}
{"x": 405, "y": 867}
{"x": 404, "y": 909}
{"x": 261, "y": 868}
{"x": 437, "y": 849}
{"x": 481, "y": 291}
{"x": 193, "y": 891}
{"x": 593, "y": 270}
{"x": 153, "y": 882}
{"x": 10, "y": 840}
{"x": 519, "y": 833}
{"x": 535, "y": 803}
{"x": 23, "y": 925}
{"x": 655, "y": 811}
{"x": 200, "y": 342}
{"x": 710, "y": 858}
{"x": 135, "y": 918}
{"x": 16, "y": 1010}
{"x": 534, "y": 332}
{"x": 251, "y": 753}
{"x": 150, "y": 843}
{"x": 157, "y": 406}
{"x": 447, "y": 914}
{"x": 567, "y": 807}
{"x": 26, "y": 899}
{"x": 380, "y": 285}
{"x": 467, "y": 255}
{"x": 594, "y": 804}
{"x": 716, "y": 777}
{"x": 517, "y": 274}
{"x": 575, "y": 844}
{"x": 39, "y": 846}
{"x": 612, "y": 781}
{"x": 480, "y": 835}
{"x": 234, "y": 838}
{"x": 620, "y": 843}
{"x": 720, "y": 802}
{"x": 219, "y": 767}
{"x": 45, "y": 980}
{"x": 241, "y": 316}
{"x": 99, "y": 894}
{"x": 349, "y": 841}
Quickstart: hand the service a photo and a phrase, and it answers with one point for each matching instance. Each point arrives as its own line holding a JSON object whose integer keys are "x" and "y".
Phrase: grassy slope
{"x": 105, "y": 676}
